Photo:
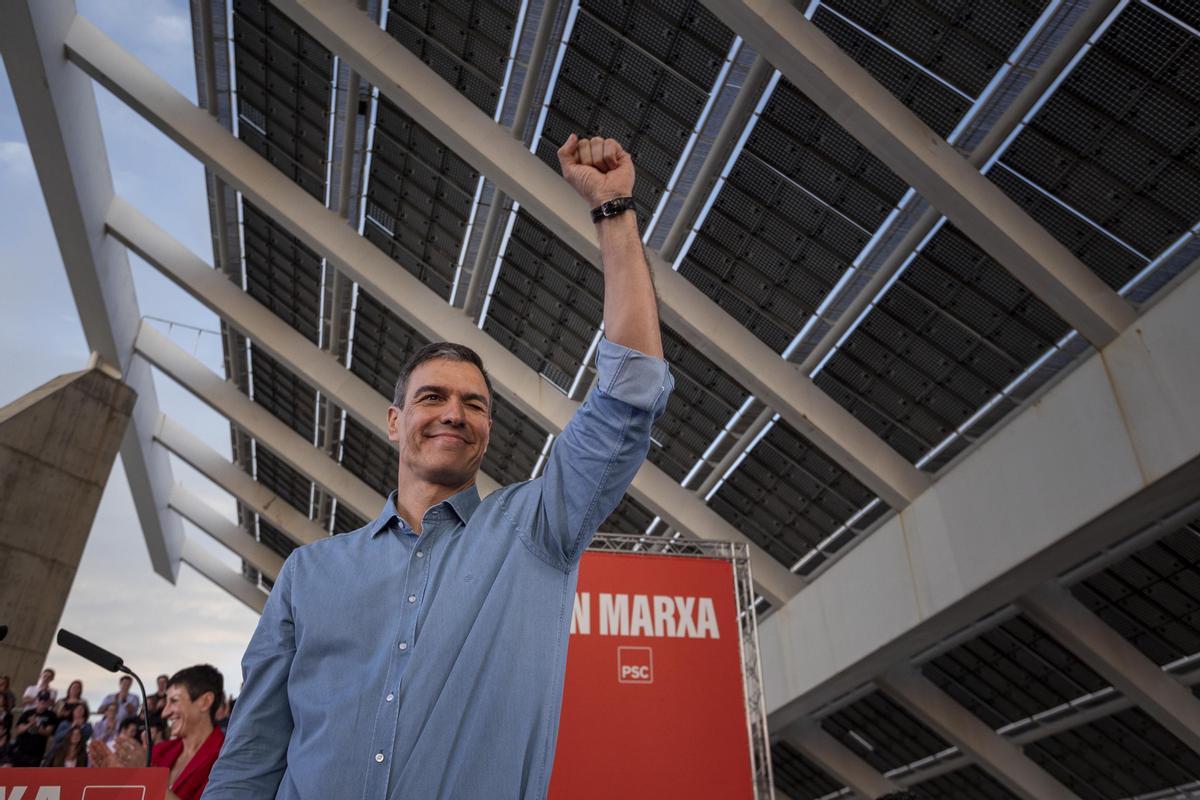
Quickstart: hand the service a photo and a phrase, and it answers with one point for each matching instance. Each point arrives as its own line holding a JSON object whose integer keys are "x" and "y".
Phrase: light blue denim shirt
{"x": 394, "y": 665}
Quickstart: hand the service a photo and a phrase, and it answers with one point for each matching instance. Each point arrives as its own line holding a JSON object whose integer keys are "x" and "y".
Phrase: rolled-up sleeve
{"x": 254, "y": 756}
{"x": 601, "y": 449}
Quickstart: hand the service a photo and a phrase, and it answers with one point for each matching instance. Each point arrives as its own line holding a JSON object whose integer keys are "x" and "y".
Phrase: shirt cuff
{"x": 633, "y": 377}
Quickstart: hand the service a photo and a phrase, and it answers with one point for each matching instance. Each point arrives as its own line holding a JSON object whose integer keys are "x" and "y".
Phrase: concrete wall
{"x": 57, "y": 446}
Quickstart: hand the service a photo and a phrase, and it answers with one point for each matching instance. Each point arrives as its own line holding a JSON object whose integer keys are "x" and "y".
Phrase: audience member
{"x": 193, "y": 695}
{"x": 6, "y": 719}
{"x": 32, "y": 732}
{"x": 223, "y": 712}
{"x": 66, "y": 705}
{"x": 78, "y": 720}
{"x": 105, "y": 730}
{"x": 43, "y": 685}
{"x": 156, "y": 701}
{"x": 6, "y": 691}
{"x": 71, "y": 752}
{"x": 127, "y": 703}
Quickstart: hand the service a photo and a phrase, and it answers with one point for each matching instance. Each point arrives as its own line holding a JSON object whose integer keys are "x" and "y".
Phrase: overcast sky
{"x": 117, "y": 600}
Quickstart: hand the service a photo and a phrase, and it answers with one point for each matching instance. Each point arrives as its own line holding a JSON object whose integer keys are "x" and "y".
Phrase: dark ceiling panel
{"x": 281, "y": 273}
{"x": 515, "y": 445}
{"x": 1012, "y": 672}
{"x": 797, "y": 777}
{"x": 275, "y": 475}
{"x": 704, "y": 400}
{"x": 1119, "y": 139}
{"x": 969, "y": 783}
{"x": 419, "y": 196}
{"x": 346, "y": 521}
{"x": 464, "y": 41}
{"x": 382, "y": 344}
{"x": 639, "y": 72}
{"x": 1152, "y": 597}
{"x": 1125, "y": 755}
{"x": 963, "y": 41}
{"x": 275, "y": 539}
{"x": 892, "y": 736}
{"x": 629, "y": 516}
{"x": 769, "y": 252}
{"x": 787, "y": 496}
{"x": 284, "y": 81}
{"x": 277, "y": 389}
{"x": 547, "y": 302}
{"x": 951, "y": 333}
{"x": 369, "y": 458}
{"x": 933, "y": 102}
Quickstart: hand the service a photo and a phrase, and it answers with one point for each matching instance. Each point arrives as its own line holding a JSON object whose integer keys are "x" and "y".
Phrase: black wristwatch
{"x": 611, "y": 208}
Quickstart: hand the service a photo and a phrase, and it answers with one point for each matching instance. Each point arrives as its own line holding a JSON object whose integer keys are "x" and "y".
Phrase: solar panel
{"x": 284, "y": 82}
{"x": 1127, "y": 754}
{"x": 382, "y": 344}
{"x": 1117, "y": 141}
{"x": 277, "y": 389}
{"x": 882, "y": 733}
{"x": 345, "y": 520}
{"x": 951, "y": 333}
{"x": 787, "y": 496}
{"x": 419, "y": 195}
{"x": 969, "y": 783}
{"x": 797, "y": 777}
{"x": 629, "y": 516}
{"x": 547, "y": 302}
{"x": 515, "y": 444}
{"x": 369, "y": 457}
{"x": 964, "y": 42}
{"x": 1012, "y": 672}
{"x": 281, "y": 273}
{"x": 466, "y": 42}
{"x": 275, "y": 475}
{"x": 1152, "y": 597}
{"x": 275, "y": 539}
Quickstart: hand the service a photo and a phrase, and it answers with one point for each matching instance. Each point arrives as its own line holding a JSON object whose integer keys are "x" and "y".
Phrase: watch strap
{"x": 612, "y": 208}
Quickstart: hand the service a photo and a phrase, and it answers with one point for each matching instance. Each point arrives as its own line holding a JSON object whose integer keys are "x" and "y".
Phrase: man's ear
{"x": 393, "y": 423}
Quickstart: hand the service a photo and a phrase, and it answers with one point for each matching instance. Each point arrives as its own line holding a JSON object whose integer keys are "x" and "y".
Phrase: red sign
{"x": 83, "y": 784}
{"x": 654, "y": 703}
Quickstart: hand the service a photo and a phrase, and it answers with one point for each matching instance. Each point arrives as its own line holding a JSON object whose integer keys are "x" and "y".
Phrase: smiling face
{"x": 443, "y": 428}
{"x": 184, "y": 715}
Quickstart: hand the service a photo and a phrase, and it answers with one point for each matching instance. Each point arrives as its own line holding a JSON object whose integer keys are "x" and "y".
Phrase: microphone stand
{"x": 145, "y": 708}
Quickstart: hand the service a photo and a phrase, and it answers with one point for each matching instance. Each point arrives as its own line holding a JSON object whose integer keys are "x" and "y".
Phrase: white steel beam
{"x": 325, "y": 232}
{"x": 1124, "y": 666}
{"x": 232, "y": 478}
{"x": 196, "y": 511}
{"x": 228, "y": 579}
{"x": 320, "y": 368}
{"x": 57, "y": 106}
{"x": 225, "y": 398}
{"x": 1108, "y": 450}
{"x": 778, "y": 30}
{"x": 839, "y": 761}
{"x": 1003, "y": 760}
{"x": 437, "y": 106}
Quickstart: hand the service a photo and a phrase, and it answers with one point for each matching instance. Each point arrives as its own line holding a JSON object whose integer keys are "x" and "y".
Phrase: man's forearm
{"x": 630, "y": 307}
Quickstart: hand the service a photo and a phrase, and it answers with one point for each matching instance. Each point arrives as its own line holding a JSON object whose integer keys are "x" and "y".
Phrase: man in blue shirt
{"x": 422, "y": 656}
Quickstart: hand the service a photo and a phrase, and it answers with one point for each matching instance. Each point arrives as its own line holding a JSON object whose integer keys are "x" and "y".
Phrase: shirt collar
{"x": 464, "y": 504}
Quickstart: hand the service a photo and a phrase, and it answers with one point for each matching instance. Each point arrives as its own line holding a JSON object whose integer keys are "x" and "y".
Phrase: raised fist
{"x": 599, "y": 169}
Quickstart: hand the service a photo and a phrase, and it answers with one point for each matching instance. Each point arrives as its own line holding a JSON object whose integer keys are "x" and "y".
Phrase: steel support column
{"x": 228, "y": 579}
{"x": 196, "y": 511}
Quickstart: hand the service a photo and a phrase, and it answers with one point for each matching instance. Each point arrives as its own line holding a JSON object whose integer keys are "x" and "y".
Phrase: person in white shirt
{"x": 43, "y": 685}
{"x": 126, "y": 702}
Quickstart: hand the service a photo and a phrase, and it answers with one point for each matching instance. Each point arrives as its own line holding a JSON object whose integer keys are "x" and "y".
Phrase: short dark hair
{"x": 200, "y": 679}
{"x": 125, "y": 723}
{"x": 450, "y": 352}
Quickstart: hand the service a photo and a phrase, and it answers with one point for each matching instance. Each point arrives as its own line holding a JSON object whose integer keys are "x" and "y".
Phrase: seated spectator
{"x": 130, "y": 728}
{"x": 32, "y": 732}
{"x": 105, "y": 730}
{"x": 66, "y": 705}
{"x": 193, "y": 695}
{"x": 126, "y": 702}
{"x": 71, "y": 751}
{"x": 77, "y": 721}
{"x": 6, "y": 691}
{"x": 223, "y": 712}
{"x": 29, "y": 699}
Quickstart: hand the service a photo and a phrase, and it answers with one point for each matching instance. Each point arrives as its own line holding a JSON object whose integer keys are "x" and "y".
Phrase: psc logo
{"x": 635, "y": 665}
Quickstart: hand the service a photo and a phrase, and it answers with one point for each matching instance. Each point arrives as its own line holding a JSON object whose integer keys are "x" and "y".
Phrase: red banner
{"x": 654, "y": 703}
{"x": 83, "y": 784}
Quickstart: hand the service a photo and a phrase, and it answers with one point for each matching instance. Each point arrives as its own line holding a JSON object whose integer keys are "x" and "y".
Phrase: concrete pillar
{"x": 57, "y": 446}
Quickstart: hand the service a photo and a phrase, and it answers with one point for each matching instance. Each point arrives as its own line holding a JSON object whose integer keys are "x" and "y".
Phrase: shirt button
{"x": 412, "y": 598}
{"x": 379, "y": 758}
{"x": 391, "y": 697}
{"x": 420, "y": 554}
{"x": 404, "y": 645}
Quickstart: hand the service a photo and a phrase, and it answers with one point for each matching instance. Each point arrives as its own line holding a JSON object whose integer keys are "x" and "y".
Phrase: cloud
{"x": 169, "y": 30}
{"x": 15, "y": 157}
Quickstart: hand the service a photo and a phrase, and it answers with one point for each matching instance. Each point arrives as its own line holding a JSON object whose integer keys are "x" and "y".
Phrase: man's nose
{"x": 453, "y": 412}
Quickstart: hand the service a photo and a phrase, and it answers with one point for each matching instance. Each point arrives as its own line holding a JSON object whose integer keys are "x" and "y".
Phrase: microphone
{"x": 109, "y": 661}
